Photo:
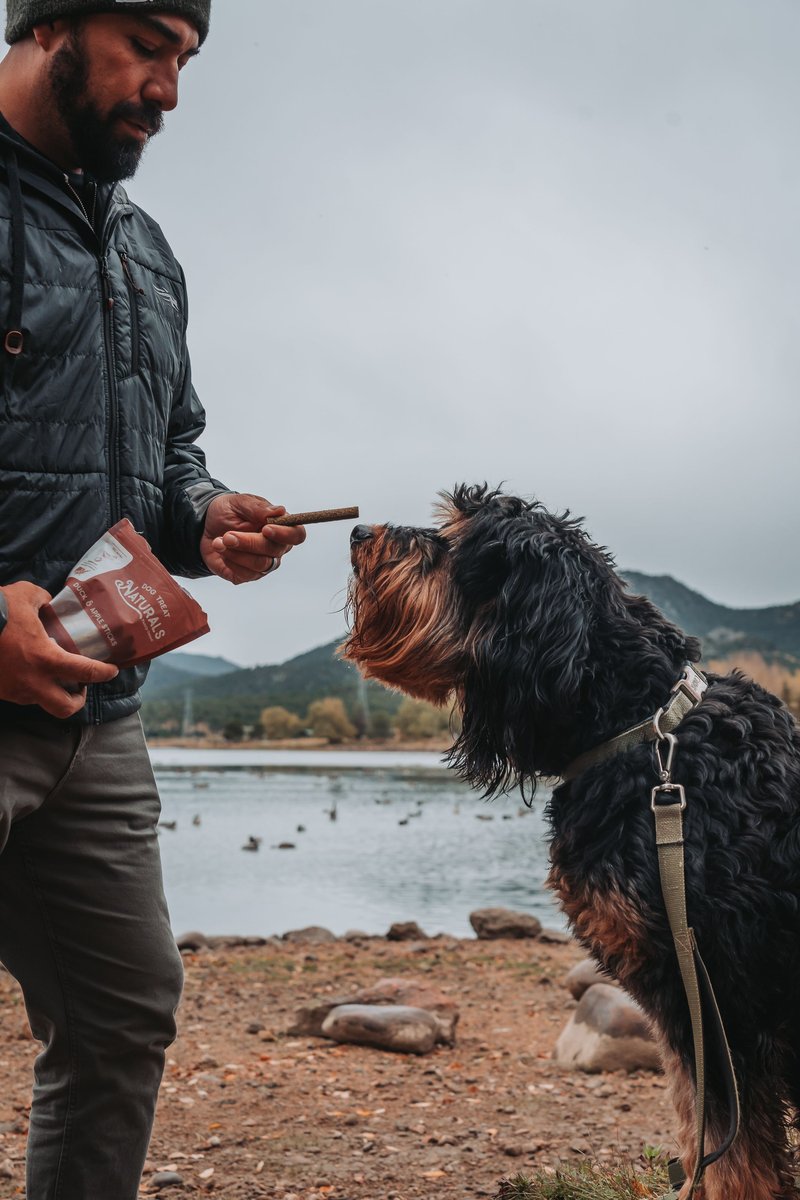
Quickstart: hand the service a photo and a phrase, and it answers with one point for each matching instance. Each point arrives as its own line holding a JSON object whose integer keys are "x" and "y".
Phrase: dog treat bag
{"x": 120, "y": 605}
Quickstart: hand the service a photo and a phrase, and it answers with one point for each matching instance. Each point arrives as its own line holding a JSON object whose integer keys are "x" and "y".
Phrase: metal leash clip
{"x": 672, "y": 791}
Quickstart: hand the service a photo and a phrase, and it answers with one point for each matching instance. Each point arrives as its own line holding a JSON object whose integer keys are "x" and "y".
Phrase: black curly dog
{"x": 515, "y": 611}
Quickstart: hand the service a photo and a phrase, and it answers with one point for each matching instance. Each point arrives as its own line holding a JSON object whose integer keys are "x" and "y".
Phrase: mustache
{"x": 149, "y": 116}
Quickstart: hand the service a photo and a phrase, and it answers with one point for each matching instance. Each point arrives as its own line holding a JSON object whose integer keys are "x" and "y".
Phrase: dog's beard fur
{"x": 404, "y": 615}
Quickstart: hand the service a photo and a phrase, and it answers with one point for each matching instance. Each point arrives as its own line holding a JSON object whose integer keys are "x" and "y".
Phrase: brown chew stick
{"x": 317, "y": 518}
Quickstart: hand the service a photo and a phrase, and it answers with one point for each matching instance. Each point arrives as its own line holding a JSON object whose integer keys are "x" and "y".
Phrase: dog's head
{"x": 503, "y": 605}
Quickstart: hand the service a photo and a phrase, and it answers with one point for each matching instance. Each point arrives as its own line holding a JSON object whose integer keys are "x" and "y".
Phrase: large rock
{"x": 584, "y": 975}
{"x": 311, "y": 935}
{"x": 415, "y": 993}
{"x": 555, "y": 937}
{"x": 504, "y": 923}
{"x": 607, "y": 1032}
{"x": 406, "y": 931}
{"x": 410, "y": 992}
{"x": 191, "y": 941}
{"x": 389, "y": 1026}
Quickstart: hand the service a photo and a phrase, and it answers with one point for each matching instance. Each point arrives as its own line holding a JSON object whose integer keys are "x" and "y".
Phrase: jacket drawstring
{"x": 15, "y": 337}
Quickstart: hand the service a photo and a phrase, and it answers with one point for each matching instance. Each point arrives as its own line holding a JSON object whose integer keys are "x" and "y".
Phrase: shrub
{"x": 278, "y": 722}
{"x": 328, "y": 718}
{"x": 419, "y": 719}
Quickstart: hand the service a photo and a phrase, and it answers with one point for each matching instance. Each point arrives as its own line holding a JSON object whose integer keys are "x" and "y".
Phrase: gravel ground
{"x": 247, "y": 1111}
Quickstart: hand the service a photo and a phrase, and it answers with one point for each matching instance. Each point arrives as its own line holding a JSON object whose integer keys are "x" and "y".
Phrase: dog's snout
{"x": 361, "y": 533}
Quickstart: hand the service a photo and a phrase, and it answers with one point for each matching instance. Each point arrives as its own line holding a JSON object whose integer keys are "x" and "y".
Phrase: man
{"x": 98, "y": 421}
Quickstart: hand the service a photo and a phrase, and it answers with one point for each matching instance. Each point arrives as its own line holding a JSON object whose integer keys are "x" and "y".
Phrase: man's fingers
{"x": 73, "y": 668}
{"x": 256, "y": 543}
{"x": 253, "y": 564}
{"x": 287, "y": 535}
{"x": 59, "y": 703}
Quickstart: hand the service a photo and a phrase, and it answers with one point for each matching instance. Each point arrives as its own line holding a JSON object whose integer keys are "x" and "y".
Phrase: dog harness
{"x": 668, "y": 802}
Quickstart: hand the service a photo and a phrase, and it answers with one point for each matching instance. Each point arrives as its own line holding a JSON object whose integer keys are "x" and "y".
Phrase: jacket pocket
{"x": 135, "y": 294}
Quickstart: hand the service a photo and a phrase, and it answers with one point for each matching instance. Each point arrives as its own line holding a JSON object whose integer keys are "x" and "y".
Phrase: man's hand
{"x": 238, "y": 542}
{"x": 33, "y": 669}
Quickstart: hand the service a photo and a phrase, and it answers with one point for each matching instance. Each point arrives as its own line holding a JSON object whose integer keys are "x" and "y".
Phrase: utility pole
{"x": 187, "y": 724}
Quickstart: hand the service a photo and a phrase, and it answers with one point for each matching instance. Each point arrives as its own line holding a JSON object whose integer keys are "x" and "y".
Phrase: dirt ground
{"x": 247, "y": 1111}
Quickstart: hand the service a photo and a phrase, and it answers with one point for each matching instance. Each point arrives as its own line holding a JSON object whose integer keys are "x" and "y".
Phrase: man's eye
{"x": 142, "y": 49}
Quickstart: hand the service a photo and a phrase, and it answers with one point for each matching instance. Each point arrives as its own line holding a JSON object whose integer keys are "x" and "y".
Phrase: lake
{"x": 376, "y": 837}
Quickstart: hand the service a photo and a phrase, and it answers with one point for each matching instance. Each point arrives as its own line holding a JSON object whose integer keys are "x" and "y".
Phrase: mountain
{"x": 772, "y": 632}
{"x": 240, "y": 695}
{"x": 764, "y": 642}
{"x": 179, "y": 669}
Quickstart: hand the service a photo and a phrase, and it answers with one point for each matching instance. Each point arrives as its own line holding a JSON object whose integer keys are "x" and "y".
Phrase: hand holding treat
{"x": 240, "y": 543}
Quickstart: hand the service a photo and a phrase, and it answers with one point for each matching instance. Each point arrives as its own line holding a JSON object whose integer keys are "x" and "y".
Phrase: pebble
{"x": 163, "y": 1179}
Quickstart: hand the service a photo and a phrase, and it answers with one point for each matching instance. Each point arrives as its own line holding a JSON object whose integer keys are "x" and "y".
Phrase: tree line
{"x": 327, "y": 717}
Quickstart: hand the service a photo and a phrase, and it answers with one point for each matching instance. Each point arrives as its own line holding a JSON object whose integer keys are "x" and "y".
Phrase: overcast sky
{"x": 547, "y": 242}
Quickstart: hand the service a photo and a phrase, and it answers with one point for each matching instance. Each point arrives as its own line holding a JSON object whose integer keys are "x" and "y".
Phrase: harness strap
{"x": 696, "y": 982}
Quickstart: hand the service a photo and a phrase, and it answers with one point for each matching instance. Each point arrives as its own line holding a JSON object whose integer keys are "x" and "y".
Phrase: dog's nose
{"x": 361, "y": 533}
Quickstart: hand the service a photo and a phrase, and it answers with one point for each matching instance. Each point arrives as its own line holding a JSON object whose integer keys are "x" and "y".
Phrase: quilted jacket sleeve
{"x": 188, "y": 487}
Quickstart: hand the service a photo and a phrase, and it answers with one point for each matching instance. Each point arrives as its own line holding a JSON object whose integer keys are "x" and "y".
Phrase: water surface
{"x": 385, "y": 837}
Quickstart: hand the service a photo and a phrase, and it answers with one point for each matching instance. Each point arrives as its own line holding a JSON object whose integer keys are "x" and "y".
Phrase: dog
{"x": 516, "y": 613}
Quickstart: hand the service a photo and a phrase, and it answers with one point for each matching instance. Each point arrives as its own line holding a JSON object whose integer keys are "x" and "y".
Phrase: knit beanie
{"x": 22, "y": 15}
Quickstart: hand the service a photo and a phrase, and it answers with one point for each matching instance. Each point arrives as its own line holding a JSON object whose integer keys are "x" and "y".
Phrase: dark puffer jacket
{"x": 99, "y": 418}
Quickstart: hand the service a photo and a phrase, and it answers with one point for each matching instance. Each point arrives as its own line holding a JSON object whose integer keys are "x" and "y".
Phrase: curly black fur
{"x": 557, "y": 658}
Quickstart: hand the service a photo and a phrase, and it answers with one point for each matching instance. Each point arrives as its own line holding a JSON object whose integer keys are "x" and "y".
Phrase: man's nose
{"x": 361, "y": 533}
{"x": 162, "y": 89}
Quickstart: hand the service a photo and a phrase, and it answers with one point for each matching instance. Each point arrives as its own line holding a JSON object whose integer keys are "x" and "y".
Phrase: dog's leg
{"x": 757, "y": 1165}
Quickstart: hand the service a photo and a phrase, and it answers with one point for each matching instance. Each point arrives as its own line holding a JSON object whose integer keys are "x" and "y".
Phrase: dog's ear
{"x": 529, "y": 655}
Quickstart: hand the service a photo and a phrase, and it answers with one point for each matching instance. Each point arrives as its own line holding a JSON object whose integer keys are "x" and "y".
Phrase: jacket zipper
{"x": 134, "y": 292}
{"x": 115, "y": 498}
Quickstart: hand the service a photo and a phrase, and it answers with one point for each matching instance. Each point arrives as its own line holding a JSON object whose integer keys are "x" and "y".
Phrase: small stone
{"x": 163, "y": 1179}
{"x": 254, "y": 1027}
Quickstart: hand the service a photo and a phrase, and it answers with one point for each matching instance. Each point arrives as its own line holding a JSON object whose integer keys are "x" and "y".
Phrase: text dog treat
{"x": 120, "y": 605}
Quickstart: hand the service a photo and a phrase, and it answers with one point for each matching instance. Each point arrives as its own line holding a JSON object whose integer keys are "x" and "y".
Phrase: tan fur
{"x": 608, "y": 921}
{"x": 404, "y": 631}
{"x": 748, "y": 1171}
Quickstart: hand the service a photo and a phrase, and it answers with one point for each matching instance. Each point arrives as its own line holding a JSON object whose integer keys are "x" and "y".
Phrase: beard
{"x": 99, "y": 149}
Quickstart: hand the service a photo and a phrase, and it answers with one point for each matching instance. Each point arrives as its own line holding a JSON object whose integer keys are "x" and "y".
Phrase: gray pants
{"x": 84, "y": 928}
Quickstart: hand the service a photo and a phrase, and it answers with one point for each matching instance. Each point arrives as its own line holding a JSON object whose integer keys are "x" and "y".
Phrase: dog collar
{"x": 686, "y": 694}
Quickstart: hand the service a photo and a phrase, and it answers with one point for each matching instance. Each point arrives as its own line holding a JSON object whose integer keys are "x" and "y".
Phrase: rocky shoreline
{"x": 251, "y": 1108}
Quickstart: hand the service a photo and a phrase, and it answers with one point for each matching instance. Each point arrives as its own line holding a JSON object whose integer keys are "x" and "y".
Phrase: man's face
{"x": 112, "y": 78}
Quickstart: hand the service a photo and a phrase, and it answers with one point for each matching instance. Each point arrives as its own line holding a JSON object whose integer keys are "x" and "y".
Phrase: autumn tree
{"x": 328, "y": 718}
{"x": 419, "y": 719}
{"x": 277, "y": 722}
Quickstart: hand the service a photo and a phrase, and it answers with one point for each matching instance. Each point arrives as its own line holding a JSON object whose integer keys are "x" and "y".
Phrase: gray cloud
{"x": 550, "y": 242}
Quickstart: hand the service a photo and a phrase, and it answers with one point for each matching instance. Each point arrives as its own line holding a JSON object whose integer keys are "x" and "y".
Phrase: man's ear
{"x": 50, "y": 34}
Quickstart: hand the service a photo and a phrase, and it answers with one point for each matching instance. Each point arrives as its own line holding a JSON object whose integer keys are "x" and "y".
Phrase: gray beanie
{"x": 22, "y": 15}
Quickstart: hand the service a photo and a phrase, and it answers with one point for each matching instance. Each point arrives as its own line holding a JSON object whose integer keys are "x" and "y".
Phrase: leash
{"x": 668, "y": 803}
